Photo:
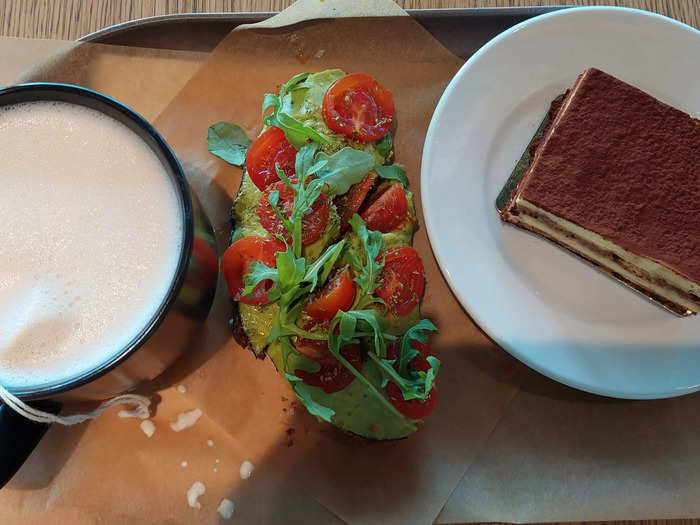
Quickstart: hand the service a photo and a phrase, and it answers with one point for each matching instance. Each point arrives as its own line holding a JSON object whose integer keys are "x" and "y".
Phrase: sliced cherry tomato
{"x": 387, "y": 210}
{"x": 414, "y": 408}
{"x": 333, "y": 376}
{"x": 349, "y": 202}
{"x": 359, "y": 107}
{"x": 236, "y": 264}
{"x": 403, "y": 280}
{"x": 337, "y": 294}
{"x": 270, "y": 148}
{"x": 312, "y": 224}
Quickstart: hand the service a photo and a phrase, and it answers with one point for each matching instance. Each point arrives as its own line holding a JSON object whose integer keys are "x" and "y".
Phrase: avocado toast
{"x": 321, "y": 269}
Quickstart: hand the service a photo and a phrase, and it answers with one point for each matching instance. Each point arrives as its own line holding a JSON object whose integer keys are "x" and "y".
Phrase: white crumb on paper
{"x": 140, "y": 412}
{"x": 225, "y": 508}
{"x": 210, "y": 443}
{"x": 183, "y": 464}
{"x": 148, "y": 427}
{"x": 196, "y": 490}
{"x": 186, "y": 420}
{"x": 246, "y": 469}
{"x": 181, "y": 389}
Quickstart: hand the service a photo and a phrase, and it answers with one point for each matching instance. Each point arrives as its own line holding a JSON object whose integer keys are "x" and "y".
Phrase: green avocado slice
{"x": 356, "y": 408}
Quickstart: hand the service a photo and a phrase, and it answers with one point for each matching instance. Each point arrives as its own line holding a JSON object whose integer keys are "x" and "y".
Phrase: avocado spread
{"x": 362, "y": 406}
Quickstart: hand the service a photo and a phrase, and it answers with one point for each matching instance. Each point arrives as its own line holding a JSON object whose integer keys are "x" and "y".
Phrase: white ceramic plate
{"x": 549, "y": 309}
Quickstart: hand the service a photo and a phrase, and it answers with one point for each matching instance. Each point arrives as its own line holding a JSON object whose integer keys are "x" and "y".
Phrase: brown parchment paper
{"x": 546, "y": 453}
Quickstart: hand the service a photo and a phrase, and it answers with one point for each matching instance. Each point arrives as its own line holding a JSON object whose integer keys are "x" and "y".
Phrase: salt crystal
{"x": 225, "y": 508}
{"x": 183, "y": 464}
{"x": 246, "y": 469}
{"x": 196, "y": 490}
{"x": 148, "y": 427}
{"x": 218, "y": 460}
{"x": 181, "y": 389}
{"x": 186, "y": 420}
{"x": 210, "y": 443}
{"x": 215, "y": 469}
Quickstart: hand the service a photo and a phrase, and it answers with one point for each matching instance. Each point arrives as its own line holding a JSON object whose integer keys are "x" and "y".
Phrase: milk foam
{"x": 90, "y": 237}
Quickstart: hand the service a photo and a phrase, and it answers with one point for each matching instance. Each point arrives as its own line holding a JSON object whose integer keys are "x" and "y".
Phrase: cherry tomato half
{"x": 270, "y": 148}
{"x": 312, "y": 224}
{"x": 414, "y": 408}
{"x": 236, "y": 264}
{"x": 333, "y": 376}
{"x": 337, "y": 294}
{"x": 403, "y": 280}
{"x": 349, "y": 202}
{"x": 387, "y": 210}
{"x": 359, "y": 107}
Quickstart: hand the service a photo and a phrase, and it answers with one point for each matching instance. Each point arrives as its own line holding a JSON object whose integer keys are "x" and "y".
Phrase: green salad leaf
{"x": 229, "y": 142}
{"x": 367, "y": 272}
{"x": 393, "y": 172}
{"x": 344, "y": 168}
{"x": 296, "y": 132}
{"x": 349, "y": 327}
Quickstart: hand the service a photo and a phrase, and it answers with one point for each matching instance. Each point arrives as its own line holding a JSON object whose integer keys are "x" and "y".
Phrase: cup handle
{"x": 19, "y": 436}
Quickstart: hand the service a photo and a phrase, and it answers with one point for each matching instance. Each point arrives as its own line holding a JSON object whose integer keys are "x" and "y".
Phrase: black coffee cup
{"x": 169, "y": 332}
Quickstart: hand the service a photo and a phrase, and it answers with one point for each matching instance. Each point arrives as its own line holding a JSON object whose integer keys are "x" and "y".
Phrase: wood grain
{"x": 70, "y": 19}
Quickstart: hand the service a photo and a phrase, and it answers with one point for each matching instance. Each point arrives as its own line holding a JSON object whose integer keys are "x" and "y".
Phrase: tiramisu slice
{"x": 615, "y": 178}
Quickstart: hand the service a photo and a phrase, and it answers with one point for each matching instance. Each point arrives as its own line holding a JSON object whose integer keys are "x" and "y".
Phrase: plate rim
{"x": 431, "y": 228}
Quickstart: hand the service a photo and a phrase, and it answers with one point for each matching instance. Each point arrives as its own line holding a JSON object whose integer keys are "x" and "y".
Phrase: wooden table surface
{"x": 70, "y": 19}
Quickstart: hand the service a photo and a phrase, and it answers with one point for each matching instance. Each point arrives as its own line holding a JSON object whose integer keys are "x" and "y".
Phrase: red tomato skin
{"x": 403, "y": 280}
{"x": 338, "y": 294}
{"x": 269, "y": 148}
{"x": 387, "y": 210}
{"x": 350, "y": 202}
{"x": 236, "y": 261}
{"x": 414, "y": 408}
{"x": 358, "y": 107}
{"x": 313, "y": 223}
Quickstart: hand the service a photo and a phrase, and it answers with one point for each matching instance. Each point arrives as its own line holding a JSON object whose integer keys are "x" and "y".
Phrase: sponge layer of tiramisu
{"x": 615, "y": 178}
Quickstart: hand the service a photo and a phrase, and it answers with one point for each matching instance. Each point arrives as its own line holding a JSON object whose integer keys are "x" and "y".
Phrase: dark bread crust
{"x": 239, "y": 333}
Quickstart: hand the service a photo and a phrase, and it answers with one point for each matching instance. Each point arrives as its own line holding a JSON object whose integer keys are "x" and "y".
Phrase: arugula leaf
{"x": 367, "y": 276}
{"x": 229, "y": 142}
{"x": 384, "y": 145}
{"x": 291, "y": 269}
{"x": 344, "y": 168}
{"x": 305, "y": 159}
{"x": 259, "y": 272}
{"x": 296, "y": 132}
{"x": 305, "y": 395}
{"x": 415, "y": 333}
{"x": 353, "y": 323}
{"x": 393, "y": 172}
{"x": 318, "y": 272}
{"x": 347, "y": 327}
